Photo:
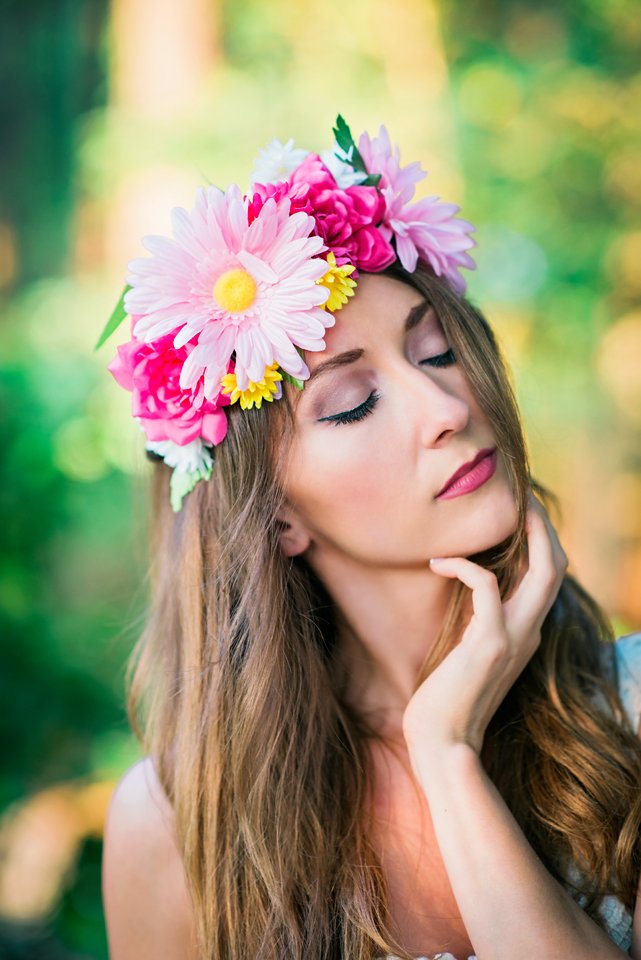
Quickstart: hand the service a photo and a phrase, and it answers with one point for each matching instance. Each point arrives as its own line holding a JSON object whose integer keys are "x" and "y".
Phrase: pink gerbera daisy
{"x": 235, "y": 286}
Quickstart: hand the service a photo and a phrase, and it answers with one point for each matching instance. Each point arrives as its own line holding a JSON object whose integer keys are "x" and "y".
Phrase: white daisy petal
{"x": 276, "y": 161}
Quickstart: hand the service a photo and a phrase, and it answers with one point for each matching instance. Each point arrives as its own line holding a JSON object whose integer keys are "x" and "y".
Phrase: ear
{"x": 294, "y": 537}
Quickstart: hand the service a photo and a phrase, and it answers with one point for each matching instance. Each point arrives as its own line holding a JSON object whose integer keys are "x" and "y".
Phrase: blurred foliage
{"x": 550, "y": 101}
{"x": 526, "y": 113}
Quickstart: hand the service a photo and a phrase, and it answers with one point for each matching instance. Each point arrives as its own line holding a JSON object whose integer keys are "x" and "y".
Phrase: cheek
{"x": 337, "y": 481}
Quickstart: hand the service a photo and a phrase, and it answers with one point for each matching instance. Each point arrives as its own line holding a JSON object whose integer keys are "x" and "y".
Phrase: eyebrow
{"x": 412, "y": 320}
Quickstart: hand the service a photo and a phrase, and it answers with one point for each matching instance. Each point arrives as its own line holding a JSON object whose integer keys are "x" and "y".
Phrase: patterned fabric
{"x": 617, "y": 920}
{"x": 628, "y": 656}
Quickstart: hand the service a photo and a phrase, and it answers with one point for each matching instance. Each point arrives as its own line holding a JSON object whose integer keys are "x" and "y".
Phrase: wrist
{"x": 447, "y": 763}
{"x": 437, "y": 741}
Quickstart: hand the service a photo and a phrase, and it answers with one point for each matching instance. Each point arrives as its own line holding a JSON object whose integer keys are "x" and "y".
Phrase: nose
{"x": 438, "y": 404}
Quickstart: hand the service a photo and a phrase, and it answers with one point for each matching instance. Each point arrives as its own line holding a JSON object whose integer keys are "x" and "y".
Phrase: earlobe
{"x": 293, "y": 537}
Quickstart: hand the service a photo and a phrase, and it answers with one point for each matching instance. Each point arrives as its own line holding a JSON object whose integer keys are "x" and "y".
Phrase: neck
{"x": 388, "y": 621}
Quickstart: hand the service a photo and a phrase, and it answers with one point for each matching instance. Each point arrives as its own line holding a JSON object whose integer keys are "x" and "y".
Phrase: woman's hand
{"x": 509, "y": 903}
{"x": 456, "y": 702}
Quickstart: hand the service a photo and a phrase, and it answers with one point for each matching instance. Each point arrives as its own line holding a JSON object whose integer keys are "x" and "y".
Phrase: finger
{"x": 559, "y": 560}
{"x": 546, "y": 565}
{"x": 539, "y": 542}
{"x": 560, "y": 555}
{"x": 486, "y": 599}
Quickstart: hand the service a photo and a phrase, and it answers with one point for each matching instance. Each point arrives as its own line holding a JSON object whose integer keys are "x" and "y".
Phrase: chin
{"x": 497, "y": 528}
{"x": 488, "y": 526}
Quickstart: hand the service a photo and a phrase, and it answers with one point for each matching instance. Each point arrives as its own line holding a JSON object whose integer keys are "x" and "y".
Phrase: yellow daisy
{"x": 338, "y": 282}
{"x": 255, "y": 392}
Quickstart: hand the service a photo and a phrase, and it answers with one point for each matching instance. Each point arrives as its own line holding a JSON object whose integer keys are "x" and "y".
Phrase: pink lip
{"x": 470, "y": 476}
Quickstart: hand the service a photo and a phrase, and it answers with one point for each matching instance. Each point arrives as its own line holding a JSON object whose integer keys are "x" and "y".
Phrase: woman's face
{"x": 367, "y": 486}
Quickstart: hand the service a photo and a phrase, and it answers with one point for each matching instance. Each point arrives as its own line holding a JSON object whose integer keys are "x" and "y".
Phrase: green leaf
{"x": 180, "y": 485}
{"x": 371, "y": 180}
{"x": 343, "y": 135}
{"x": 118, "y": 315}
{"x": 345, "y": 141}
{"x": 288, "y": 377}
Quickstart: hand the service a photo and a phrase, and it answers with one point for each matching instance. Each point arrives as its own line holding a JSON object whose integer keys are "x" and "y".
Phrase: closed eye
{"x": 359, "y": 413}
{"x": 441, "y": 359}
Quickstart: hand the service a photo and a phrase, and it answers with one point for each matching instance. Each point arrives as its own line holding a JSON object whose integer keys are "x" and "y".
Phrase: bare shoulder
{"x": 147, "y": 907}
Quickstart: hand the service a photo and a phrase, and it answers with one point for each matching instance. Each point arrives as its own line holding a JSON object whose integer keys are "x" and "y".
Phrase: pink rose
{"x": 347, "y": 219}
{"x": 152, "y": 372}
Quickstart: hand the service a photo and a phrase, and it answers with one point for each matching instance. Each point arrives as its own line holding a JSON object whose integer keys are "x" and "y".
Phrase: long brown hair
{"x": 235, "y": 690}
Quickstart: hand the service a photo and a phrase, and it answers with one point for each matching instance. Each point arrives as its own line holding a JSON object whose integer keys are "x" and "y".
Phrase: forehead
{"x": 377, "y": 311}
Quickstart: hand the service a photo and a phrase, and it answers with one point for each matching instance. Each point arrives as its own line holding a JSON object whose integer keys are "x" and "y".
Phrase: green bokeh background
{"x": 527, "y": 114}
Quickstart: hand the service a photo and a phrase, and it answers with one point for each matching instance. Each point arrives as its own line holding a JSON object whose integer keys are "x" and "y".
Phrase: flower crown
{"x": 224, "y": 310}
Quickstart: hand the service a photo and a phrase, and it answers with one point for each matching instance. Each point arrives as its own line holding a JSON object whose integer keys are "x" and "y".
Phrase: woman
{"x": 379, "y": 715}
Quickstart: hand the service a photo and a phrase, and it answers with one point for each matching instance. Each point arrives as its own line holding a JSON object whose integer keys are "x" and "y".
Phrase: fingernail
{"x": 437, "y": 559}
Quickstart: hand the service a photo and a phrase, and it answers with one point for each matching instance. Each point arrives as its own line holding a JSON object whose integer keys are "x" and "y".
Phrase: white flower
{"x": 340, "y": 167}
{"x": 193, "y": 457}
{"x": 276, "y": 161}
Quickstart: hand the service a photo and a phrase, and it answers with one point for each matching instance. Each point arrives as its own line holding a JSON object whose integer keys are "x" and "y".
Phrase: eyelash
{"x": 358, "y": 413}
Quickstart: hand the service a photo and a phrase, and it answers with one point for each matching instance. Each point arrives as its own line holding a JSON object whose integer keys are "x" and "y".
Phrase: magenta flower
{"x": 297, "y": 194}
{"x": 247, "y": 284}
{"x": 236, "y": 286}
{"x": 347, "y": 219}
{"x": 428, "y": 228}
{"x": 151, "y": 371}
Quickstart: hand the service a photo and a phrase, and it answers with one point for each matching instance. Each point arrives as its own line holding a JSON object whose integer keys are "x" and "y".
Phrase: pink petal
{"x": 257, "y": 267}
{"x": 214, "y": 427}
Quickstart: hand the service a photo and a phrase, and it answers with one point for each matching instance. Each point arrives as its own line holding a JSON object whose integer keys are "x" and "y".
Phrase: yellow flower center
{"x": 235, "y": 290}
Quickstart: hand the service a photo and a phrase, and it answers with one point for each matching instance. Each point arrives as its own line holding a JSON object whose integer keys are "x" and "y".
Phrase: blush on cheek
{"x": 336, "y": 478}
{"x": 339, "y": 499}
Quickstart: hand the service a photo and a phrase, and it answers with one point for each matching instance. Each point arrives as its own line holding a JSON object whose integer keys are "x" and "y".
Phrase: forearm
{"x": 510, "y": 905}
